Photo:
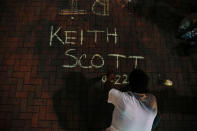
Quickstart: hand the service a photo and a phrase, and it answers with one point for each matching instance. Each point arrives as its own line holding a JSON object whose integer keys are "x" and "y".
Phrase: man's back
{"x": 133, "y": 111}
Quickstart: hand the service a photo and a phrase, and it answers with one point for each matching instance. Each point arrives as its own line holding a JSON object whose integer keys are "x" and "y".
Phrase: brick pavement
{"x": 37, "y": 93}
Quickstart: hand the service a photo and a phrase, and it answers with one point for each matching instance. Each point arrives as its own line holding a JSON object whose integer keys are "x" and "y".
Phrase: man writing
{"x": 135, "y": 109}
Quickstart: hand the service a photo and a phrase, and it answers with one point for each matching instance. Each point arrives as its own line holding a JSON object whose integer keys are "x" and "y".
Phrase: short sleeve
{"x": 114, "y": 96}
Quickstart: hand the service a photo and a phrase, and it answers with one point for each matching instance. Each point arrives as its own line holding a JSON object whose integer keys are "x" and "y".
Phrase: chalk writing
{"x": 95, "y": 61}
{"x": 95, "y": 34}
{"x": 117, "y": 58}
{"x": 99, "y": 7}
{"x": 55, "y": 35}
{"x": 136, "y": 58}
{"x": 96, "y": 66}
{"x": 75, "y": 58}
{"x": 104, "y": 79}
{"x": 115, "y": 35}
{"x": 79, "y": 62}
{"x": 119, "y": 79}
{"x": 125, "y": 79}
{"x": 92, "y": 64}
{"x": 71, "y": 40}
{"x": 73, "y": 10}
{"x": 74, "y": 5}
{"x": 81, "y": 40}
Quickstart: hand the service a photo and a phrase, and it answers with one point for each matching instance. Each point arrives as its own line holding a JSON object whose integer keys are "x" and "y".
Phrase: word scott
{"x": 98, "y": 56}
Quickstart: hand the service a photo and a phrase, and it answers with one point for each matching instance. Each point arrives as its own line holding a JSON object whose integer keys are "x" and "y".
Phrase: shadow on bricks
{"x": 81, "y": 104}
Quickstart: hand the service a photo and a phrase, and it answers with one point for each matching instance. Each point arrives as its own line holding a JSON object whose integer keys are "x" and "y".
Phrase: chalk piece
{"x": 72, "y": 18}
{"x": 168, "y": 83}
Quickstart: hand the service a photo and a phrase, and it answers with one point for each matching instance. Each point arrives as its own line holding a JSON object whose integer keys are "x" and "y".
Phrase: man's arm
{"x": 109, "y": 83}
{"x": 112, "y": 92}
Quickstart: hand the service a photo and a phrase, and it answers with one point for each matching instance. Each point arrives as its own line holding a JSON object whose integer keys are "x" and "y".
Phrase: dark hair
{"x": 138, "y": 81}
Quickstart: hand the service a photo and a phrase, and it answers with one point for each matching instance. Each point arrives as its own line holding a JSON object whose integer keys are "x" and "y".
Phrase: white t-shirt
{"x": 133, "y": 111}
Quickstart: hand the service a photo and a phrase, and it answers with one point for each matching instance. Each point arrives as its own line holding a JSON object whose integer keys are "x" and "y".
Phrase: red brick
{"x": 38, "y": 91}
{"x": 27, "y": 78}
{"x": 40, "y": 102}
{"x": 51, "y": 116}
{"x": 18, "y": 123}
{"x": 33, "y": 109}
{"x": 23, "y": 105}
{"x": 12, "y": 92}
{"x": 4, "y": 124}
{"x": 50, "y": 108}
{"x": 42, "y": 116}
{"x": 4, "y": 88}
{"x": 21, "y": 94}
{"x": 45, "y": 124}
{"x": 20, "y": 85}
{"x": 25, "y": 116}
{"x": 55, "y": 124}
{"x": 43, "y": 109}
{"x": 46, "y": 95}
{"x": 34, "y": 71}
{"x": 14, "y": 101}
{"x": 49, "y": 102}
{"x": 42, "y": 113}
{"x": 29, "y": 88}
{"x": 12, "y": 81}
{"x": 29, "y": 62}
{"x": 18, "y": 74}
{"x": 10, "y": 62}
{"x": 3, "y": 115}
{"x": 3, "y": 68}
{"x": 7, "y": 108}
{"x": 4, "y": 93}
{"x": 29, "y": 56}
{"x": 35, "y": 120}
{"x": 25, "y": 68}
{"x": 47, "y": 129}
{"x": 17, "y": 67}
{"x": 36, "y": 81}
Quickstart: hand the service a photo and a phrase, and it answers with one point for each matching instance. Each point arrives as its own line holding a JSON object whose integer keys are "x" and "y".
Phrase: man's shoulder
{"x": 151, "y": 100}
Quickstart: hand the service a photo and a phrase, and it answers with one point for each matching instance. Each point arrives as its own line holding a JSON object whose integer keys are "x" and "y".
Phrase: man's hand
{"x": 109, "y": 84}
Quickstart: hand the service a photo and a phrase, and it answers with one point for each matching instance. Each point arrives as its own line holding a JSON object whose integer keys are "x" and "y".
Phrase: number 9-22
{"x": 119, "y": 79}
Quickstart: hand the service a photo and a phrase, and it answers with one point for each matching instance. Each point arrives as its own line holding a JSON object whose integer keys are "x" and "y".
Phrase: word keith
{"x": 71, "y": 36}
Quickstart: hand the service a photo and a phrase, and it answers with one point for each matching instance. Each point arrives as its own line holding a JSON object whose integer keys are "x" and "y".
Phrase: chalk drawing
{"x": 101, "y": 58}
{"x": 136, "y": 58}
{"x": 71, "y": 38}
{"x": 115, "y": 35}
{"x": 125, "y": 79}
{"x": 104, "y": 78}
{"x": 117, "y": 82}
{"x": 75, "y": 58}
{"x": 95, "y": 34}
{"x": 79, "y": 62}
{"x": 81, "y": 40}
{"x": 52, "y": 35}
{"x": 101, "y": 7}
{"x": 117, "y": 58}
{"x": 74, "y": 10}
